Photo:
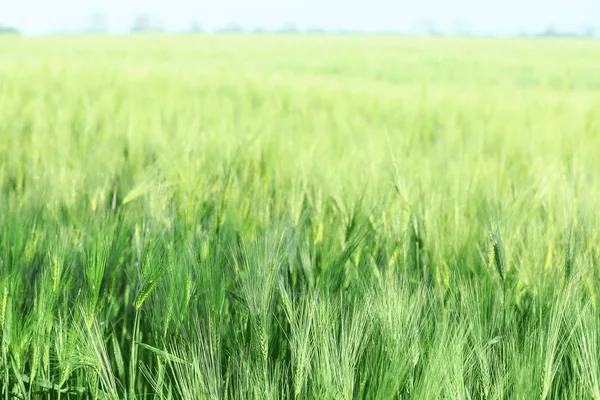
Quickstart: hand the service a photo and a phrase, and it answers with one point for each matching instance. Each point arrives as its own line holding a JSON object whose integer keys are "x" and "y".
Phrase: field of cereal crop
{"x": 306, "y": 217}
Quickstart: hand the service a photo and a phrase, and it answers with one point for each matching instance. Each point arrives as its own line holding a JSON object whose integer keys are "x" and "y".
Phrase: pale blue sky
{"x": 490, "y": 17}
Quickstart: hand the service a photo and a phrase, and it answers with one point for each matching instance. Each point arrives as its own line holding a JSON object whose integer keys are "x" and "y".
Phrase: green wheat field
{"x": 299, "y": 217}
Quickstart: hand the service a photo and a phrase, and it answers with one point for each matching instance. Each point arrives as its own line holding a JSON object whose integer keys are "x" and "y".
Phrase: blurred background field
{"x": 272, "y": 216}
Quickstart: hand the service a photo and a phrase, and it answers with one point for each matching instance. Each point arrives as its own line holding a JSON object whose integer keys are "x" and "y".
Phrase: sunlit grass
{"x": 299, "y": 217}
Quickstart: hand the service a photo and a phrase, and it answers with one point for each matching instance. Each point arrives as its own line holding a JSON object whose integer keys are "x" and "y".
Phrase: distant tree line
{"x": 552, "y": 31}
{"x": 8, "y": 29}
{"x": 144, "y": 23}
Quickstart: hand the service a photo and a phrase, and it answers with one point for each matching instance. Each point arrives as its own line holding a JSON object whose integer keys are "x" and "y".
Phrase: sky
{"x": 495, "y": 17}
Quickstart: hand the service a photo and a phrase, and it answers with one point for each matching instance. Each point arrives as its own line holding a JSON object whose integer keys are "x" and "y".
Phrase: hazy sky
{"x": 480, "y": 16}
